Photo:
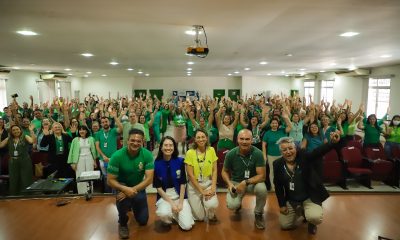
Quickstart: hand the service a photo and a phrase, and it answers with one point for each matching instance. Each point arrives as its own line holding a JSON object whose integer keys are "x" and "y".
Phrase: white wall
{"x": 23, "y": 83}
{"x": 76, "y": 85}
{"x": 102, "y": 86}
{"x": 205, "y": 85}
{"x": 256, "y": 85}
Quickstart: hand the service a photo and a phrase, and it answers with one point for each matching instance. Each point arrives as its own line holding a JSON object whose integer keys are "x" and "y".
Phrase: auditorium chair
{"x": 220, "y": 164}
{"x": 356, "y": 166}
{"x": 396, "y": 161}
{"x": 332, "y": 171}
{"x": 354, "y": 143}
{"x": 381, "y": 167}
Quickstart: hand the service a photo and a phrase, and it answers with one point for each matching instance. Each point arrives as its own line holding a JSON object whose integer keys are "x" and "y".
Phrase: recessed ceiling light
{"x": 283, "y": 71}
{"x": 114, "y": 63}
{"x": 386, "y": 56}
{"x": 289, "y": 55}
{"x": 104, "y": 75}
{"x": 237, "y": 72}
{"x": 147, "y": 74}
{"x": 287, "y": 75}
{"x": 352, "y": 67}
{"x": 302, "y": 69}
{"x": 16, "y": 68}
{"x": 70, "y": 74}
{"x": 349, "y": 34}
{"x": 263, "y": 63}
{"x": 322, "y": 71}
{"x": 89, "y": 72}
{"x": 48, "y": 71}
{"x": 140, "y": 72}
{"x": 247, "y": 69}
{"x": 87, "y": 54}
{"x": 27, "y": 33}
{"x": 269, "y": 74}
{"x": 190, "y": 63}
{"x": 85, "y": 75}
{"x": 229, "y": 74}
{"x": 67, "y": 69}
{"x": 189, "y": 72}
{"x": 188, "y": 69}
{"x": 333, "y": 64}
{"x": 130, "y": 69}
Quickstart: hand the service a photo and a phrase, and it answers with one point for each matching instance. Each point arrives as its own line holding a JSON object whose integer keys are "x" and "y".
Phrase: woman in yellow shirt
{"x": 201, "y": 168}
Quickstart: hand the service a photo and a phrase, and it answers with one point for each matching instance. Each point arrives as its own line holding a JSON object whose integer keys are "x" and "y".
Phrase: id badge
{"x": 291, "y": 186}
{"x": 247, "y": 174}
{"x": 105, "y": 145}
{"x": 61, "y": 149}
{"x": 15, "y": 153}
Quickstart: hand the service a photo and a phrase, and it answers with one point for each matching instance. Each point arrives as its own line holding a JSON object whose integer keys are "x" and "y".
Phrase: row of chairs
{"x": 363, "y": 164}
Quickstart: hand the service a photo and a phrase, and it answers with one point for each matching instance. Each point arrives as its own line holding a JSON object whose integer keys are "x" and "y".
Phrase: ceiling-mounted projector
{"x": 198, "y": 49}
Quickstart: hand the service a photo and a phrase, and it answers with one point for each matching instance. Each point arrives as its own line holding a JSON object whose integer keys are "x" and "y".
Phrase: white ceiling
{"x": 149, "y": 35}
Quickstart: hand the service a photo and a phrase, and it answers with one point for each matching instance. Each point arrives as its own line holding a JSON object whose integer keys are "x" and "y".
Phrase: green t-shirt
{"x": 130, "y": 170}
{"x": 37, "y": 123}
{"x": 107, "y": 141}
{"x": 237, "y": 164}
{"x": 394, "y": 135}
{"x": 271, "y": 137}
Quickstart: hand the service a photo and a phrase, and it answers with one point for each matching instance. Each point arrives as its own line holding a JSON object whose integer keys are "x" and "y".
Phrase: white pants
{"x": 164, "y": 211}
{"x": 200, "y": 206}
{"x": 85, "y": 163}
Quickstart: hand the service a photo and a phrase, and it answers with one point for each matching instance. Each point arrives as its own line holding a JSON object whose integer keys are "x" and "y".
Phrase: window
{"x": 327, "y": 90}
{"x": 3, "y": 94}
{"x": 378, "y": 96}
{"x": 309, "y": 90}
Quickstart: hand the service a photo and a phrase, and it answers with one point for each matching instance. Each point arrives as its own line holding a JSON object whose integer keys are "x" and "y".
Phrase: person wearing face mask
{"x": 297, "y": 186}
{"x": 392, "y": 134}
{"x": 170, "y": 182}
{"x": 82, "y": 155}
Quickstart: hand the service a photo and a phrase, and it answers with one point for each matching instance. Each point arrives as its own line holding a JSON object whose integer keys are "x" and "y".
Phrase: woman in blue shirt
{"x": 170, "y": 182}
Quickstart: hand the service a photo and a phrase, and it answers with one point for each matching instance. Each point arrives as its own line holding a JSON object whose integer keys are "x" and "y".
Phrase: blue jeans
{"x": 388, "y": 148}
{"x": 138, "y": 204}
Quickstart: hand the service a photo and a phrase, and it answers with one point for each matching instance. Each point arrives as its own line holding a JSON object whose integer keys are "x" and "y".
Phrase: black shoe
{"x": 312, "y": 229}
{"x": 259, "y": 221}
{"x": 123, "y": 232}
{"x": 237, "y": 211}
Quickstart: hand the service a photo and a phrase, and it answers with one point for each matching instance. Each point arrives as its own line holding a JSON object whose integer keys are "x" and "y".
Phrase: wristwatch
{"x": 247, "y": 182}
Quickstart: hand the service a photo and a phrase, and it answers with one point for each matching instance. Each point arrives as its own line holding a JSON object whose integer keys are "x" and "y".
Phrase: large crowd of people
{"x": 274, "y": 143}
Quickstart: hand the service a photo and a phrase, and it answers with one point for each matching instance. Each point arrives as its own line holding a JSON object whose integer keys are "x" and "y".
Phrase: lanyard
{"x": 248, "y": 162}
{"x": 288, "y": 173}
{"x": 105, "y": 135}
{"x": 201, "y": 162}
{"x": 16, "y": 144}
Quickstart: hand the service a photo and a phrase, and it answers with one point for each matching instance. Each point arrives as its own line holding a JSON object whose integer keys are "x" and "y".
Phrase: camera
{"x": 15, "y": 95}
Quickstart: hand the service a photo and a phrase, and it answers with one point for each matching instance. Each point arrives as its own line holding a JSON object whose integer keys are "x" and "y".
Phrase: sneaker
{"x": 312, "y": 229}
{"x": 123, "y": 232}
{"x": 259, "y": 221}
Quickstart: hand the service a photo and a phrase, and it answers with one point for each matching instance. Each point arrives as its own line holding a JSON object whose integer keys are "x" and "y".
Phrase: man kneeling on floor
{"x": 130, "y": 171}
{"x": 244, "y": 172}
{"x": 297, "y": 185}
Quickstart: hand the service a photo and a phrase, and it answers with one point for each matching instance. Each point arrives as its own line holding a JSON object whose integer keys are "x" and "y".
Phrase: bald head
{"x": 244, "y": 139}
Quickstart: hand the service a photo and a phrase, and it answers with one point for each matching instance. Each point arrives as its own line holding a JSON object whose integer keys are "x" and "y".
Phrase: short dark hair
{"x": 160, "y": 153}
{"x": 136, "y": 131}
{"x": 84, "y": 127}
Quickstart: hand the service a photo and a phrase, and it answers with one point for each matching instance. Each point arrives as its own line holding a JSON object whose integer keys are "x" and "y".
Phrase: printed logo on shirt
{"x": 140, "y": 166}
{"x": 178, "y": 174}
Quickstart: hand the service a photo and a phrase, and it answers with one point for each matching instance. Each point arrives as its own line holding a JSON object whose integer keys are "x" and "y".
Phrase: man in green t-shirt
{"x": 244, "y": 172}
{"x": 130, "y": 171}
{"x": 106, "y": 143}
